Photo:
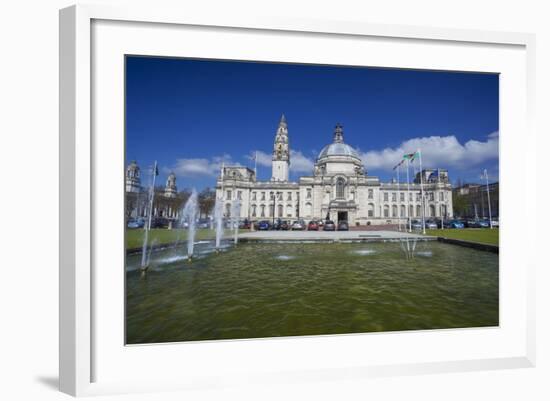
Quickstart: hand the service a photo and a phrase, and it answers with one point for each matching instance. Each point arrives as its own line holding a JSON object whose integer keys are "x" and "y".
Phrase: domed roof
{"x": 338, "y": 147}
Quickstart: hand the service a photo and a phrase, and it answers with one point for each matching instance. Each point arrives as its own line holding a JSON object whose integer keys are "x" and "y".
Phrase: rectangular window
{"x": 253, "y": 195}
{"x": 289, "y": 196}
{"x": 393, "y": 196}
{"x": 228, "y": 195}
{"x": 441, "y": 196}
{"x": 308, "y": 194}
{"x": 431, "y": 196}
{"x": 410, "y": 196}
{"x": 402, "y": 196}
{"x": 263, "y": 195}
{"x": 385, "y": 197}
{"x": 418, "y": 197}
{"x": 371, "y": 213}
{"x": 240, "y": 195}
{"x": 371, "y": 194}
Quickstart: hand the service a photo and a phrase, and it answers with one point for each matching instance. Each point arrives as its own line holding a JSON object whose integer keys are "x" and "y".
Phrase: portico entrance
{"x": 342, "y": 216}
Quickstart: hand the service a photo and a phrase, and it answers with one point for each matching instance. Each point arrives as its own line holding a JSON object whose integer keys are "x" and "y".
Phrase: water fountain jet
{"x": 189, "y": 214}
{"x": 218, "y": 219}
{"x": 235, "y": 213}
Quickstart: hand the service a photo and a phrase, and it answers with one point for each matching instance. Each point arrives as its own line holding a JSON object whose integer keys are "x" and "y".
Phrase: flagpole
{"x": 440, "y": 211}
{"x": 488, "y": 198}
{"x": 255, "y": 164}
{"x": 408, "y": 196}
{"x": 398, "y": 201}
{"x": 422, "y": 200}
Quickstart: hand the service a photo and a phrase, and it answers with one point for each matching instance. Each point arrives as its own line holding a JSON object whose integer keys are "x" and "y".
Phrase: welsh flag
{"x": 410, "y": 156}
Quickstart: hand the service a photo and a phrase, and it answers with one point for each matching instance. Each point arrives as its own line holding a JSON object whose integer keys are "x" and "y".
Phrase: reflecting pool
{"x": 266, "y": 290}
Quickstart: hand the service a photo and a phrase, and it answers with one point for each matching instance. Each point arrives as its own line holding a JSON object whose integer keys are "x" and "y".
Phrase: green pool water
{"x": 281, "y": 289}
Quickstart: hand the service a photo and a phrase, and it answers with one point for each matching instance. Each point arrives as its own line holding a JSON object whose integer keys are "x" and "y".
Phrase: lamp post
{"x": 273, "y": 214}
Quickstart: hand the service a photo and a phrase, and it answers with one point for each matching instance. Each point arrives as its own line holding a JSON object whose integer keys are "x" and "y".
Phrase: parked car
{"x": 136, "y": 223}
{"x": 159, "y": 222}
{"x": 472, "y": 223}
{"x": 313, "y": 226}
{"x": 203, "y": 223}
{"x": 280, "y": 225}
{"x": 329, "y": 226}
{"x": 484, "y": 223}
{"x": 431, "y": 224}
{"x": 416, "y": 225}
{"x": 343, "y": 225}
{"x": 244, "y": 224}
{"x": 264, "y": 225}
{"x": 180, "y": 224}
{"x": 298, "y": 225}
{"x": 453, "y": 224}
{"x": 494, "y": 222}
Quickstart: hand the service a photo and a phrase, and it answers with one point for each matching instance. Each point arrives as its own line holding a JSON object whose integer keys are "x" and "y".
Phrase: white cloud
{"x": 437, "y": 151}
{"x": 200, "y": 167}
{"x": 263, "y": 159}
{"x": 298, "y": 162}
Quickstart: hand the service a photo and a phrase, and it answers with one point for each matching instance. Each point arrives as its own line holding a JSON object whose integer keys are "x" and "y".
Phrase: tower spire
{"x": 338, "y": 133}
{"x": 281, "y": 152}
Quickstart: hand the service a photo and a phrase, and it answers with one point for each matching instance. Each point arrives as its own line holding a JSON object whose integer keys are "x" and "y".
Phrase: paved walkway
{"x": 330, "y": 236}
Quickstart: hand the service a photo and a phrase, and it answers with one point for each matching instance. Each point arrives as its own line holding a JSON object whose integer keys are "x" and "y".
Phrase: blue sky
{"x": 193, "y": 115}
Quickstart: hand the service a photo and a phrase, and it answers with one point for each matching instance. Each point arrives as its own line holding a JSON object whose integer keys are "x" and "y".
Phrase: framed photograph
{"x": 261, "y": 200}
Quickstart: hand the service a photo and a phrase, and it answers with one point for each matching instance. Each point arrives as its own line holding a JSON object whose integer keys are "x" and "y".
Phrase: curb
{"x": 470, "y": 244}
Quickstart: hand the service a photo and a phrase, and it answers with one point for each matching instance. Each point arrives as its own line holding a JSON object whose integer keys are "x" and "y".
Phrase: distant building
{"x": 167, "y": 201}
{"x": 338, "y": 188}
{"x": 133, "y": 179}
{"x": 471, "y": 200}
{"x": 171, "y": 190}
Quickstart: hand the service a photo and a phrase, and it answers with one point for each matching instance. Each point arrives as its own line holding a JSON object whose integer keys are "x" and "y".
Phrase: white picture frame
{"x": 78, "y": 315}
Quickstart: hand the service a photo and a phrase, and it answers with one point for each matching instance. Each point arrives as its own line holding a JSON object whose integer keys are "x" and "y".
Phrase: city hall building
{"x": 339, "y": 188}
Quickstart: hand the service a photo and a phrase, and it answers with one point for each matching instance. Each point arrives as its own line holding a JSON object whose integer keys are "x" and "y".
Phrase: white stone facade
{"x": 338, "y": 188}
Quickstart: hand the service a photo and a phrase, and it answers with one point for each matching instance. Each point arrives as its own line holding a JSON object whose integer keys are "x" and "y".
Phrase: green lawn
{"x": 134, "y": 237}
{"x": 482, "y": 235}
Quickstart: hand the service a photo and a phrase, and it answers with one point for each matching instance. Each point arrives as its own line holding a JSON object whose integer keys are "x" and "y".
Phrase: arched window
{"x": 340, "y": 185}
{"x": 432, "y": 211}
{"x": 443, "y": 210}
{"x": 411, "y": 211}
{"x": 402, "y": 211}
{"x": 418, "y": 212}
{"x": 386, "y": 211}
{"x": 253, "y": 210}
{"x": 280, "y": 211}
{"x": 371, "y": 210}
{"x": 394, "y": 211}
{"x": 262, "y": 211}
{"x": 228, "y": 210}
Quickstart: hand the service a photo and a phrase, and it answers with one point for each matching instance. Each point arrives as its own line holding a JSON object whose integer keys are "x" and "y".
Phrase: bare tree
{"x": 207, "y": 199}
